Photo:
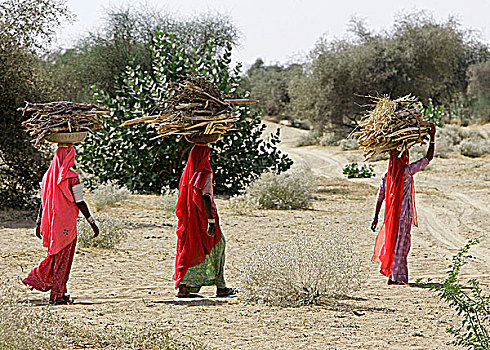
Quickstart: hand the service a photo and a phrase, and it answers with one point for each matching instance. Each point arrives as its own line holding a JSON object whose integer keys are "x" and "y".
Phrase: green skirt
{"x": 208, "y": 273}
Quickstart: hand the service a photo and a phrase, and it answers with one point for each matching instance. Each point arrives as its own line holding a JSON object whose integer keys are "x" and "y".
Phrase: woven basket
{"x": 198, "y": 138}
{"x": 67, "y": 137}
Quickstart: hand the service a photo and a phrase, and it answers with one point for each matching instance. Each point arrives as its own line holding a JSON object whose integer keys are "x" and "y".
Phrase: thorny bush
{"x": 303, "y": 270}
{"x": 290, "y": 190}
{"x": 112, "y": 232}
{"x": 108, "y": 193}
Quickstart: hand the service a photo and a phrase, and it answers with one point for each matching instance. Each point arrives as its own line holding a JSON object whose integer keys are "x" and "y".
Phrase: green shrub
{"x": 112, "y": 232}
{"x": 132, "y": 156}
{"x": 303, "y": 270}
{"x": 353, "y": 170}
{"x": 291, "y": 190}
{"x": 434, "y": 114}
{"x": 470, "y": 303}
{"x": 109, "y": 193}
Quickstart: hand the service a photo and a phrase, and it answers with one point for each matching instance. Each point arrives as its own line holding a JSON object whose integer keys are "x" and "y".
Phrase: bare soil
{"x": 132, "y": 285}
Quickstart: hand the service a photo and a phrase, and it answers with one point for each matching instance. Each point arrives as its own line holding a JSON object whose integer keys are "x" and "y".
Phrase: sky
{"x": 282, "y": 31}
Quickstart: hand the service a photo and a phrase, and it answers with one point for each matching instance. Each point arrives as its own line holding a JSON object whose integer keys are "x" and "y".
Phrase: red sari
{"x": 193, "y": 241}
{"x": 384, "y": 248}
{"x": 58, "y": 225}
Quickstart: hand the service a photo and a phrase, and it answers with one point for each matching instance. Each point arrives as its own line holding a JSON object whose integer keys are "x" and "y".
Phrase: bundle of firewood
{"x": 61, "y": 117}
{"x": 195, "y": 107}
{"x": 392, "y": 125}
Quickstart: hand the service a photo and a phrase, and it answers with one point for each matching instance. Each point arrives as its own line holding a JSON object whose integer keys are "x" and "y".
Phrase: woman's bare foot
{"x": 396, "y": 283}
{"x": 183, "y": 292}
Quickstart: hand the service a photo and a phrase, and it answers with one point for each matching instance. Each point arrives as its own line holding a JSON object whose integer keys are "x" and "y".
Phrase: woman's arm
{"x": 432, "y": 134}
{"x": 38, "y": 222}
{"x": 78, "y": 196}
{"x": 206, "y": 200}
{"x": 376, "y": 214}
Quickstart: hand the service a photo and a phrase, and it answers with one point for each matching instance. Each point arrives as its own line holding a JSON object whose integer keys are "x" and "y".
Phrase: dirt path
{"x": 132, "y": 285}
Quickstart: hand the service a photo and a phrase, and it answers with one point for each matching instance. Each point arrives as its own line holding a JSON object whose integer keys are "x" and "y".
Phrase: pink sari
{"x": 58, "y": 226}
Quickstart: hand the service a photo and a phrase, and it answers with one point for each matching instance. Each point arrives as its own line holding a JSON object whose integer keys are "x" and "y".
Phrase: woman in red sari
{"x": 394, "y": 239}
{"x": 61, "y": 200}
{"x": 200, "y": 255}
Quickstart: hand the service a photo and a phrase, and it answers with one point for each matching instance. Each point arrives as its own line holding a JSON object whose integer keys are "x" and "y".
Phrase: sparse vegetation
{"x": 303, "y": 270}
{"x": 290, "y": 190}
{"x": 108, "y": 193}
{"x": 112, "y": 232}
{"x": 23, "y": 327}
{"x": 167, "y": 200}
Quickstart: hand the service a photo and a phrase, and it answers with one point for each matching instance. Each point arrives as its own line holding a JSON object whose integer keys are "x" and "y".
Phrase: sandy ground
{"x": 133, "y": 285}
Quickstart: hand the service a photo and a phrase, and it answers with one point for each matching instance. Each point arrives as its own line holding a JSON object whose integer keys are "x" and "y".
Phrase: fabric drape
{"x": 193, "y": 241}
{"x": 384, "y": 249}
{"x": 59, "y": 217}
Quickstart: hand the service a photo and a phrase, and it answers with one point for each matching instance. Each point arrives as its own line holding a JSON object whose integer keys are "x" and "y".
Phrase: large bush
{"x": 133, "y": 157}
{"x": 26, "y": 28}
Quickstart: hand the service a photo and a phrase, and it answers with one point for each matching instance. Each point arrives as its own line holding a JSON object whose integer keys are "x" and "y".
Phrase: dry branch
{"x": 60, "y": 117}
{"x": 392, "y": 125}
{"x": 195, "y": 107}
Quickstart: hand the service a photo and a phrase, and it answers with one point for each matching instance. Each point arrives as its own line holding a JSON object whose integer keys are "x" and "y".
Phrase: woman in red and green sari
{"x": 200, "y": 243}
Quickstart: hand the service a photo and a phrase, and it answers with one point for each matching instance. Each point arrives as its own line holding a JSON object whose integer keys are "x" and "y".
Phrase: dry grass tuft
{"x": 112, "y": 232}
{"x": 303, "y": 270}
{"x": 108, "y": 194}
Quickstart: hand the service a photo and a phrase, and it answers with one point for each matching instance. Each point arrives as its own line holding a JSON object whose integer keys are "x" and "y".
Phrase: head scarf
{"x": 193, "y": 241}
{"x": 59, "y": 218}
{"x": 384, "y": 249}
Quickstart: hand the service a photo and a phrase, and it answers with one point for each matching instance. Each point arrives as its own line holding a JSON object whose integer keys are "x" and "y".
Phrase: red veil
{"x": 193, "y": 241}
{"x": 59, "y": 218}
{"x": 384, "y": 248}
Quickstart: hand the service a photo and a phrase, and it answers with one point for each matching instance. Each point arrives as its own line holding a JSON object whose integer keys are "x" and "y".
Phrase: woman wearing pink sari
{"x": 61, "y": 200}
{"x": 394, "y": 239}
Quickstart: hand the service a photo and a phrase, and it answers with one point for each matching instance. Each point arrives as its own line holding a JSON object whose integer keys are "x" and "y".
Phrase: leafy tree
{"x": 418, "y": 55}
{"x": 269, "y": 84}
{"x": 133, "y": 157}
{"x": 26, "y": 28}
{"x": 479, "y": 89}
{"x": 127, "y": 36}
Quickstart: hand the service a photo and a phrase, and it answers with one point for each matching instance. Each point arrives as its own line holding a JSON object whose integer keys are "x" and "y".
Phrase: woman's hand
{"x": 38, "y": 231}
{"x": 95, "y": 229}
{"x": 432, "y": 130}
{"x": 211, "y": 229}
{"x": 374, "y": 224}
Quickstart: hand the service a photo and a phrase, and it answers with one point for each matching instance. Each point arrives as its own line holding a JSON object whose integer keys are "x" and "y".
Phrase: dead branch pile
{"x": 195, "y": 107}
{"x": 392, "y": 125}
{"x": 61, "y": 117}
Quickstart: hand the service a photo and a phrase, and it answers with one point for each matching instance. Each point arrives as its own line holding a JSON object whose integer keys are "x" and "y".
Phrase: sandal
{"x": 395, "y": 283}
{"x": 226, "y": 292}
{"x": 65, "y": 300}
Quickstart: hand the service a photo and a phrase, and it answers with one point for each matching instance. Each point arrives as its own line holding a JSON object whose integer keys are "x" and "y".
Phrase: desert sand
{"x": 132, "y": 285}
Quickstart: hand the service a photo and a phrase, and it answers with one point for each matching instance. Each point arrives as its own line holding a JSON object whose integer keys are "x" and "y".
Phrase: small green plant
{"x": 109, "y": 193}
{"x": 353, "y": 170}
{"x": 434, "y": 114}
{"x": 470, "y": 303}
{"x": 112, "y": 232}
